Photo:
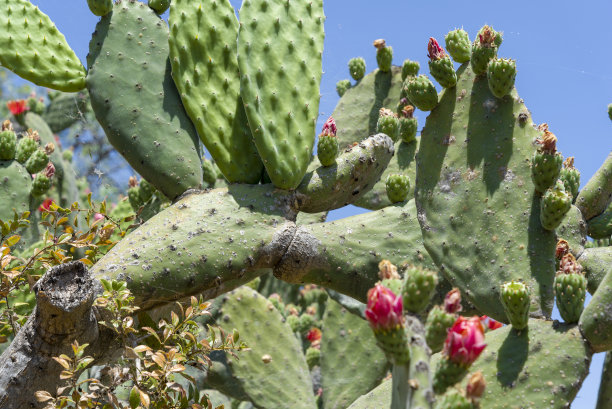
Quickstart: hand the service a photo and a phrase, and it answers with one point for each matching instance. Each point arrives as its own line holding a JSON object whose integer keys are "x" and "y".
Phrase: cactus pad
{"x": 280, "y": 82}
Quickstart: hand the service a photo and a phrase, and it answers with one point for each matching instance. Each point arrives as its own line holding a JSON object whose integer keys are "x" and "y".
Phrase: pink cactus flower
{"x": 452, "y": 301}
{"x": 18, "y": 106}
{"x": 384, "y": 311}
{"x": 435, "y": 50}
{"x": 49, "y": 171}
{"x": 329, "y": 127}
{"x": 465, "y": 341}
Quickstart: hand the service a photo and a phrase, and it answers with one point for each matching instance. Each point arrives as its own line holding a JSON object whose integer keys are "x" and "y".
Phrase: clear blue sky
{"x": 562, "y": 50}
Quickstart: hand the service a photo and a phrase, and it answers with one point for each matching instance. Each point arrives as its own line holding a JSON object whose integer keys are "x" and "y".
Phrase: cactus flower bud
{"x": 132, "y": 182}
{"x": 476, "y": 386}
{"x": 387, "y": 271}
{"x": 50, "y": 170}
{"x": 384, "y": 310}
{"x": 17, "y": 107}
{"x": 49, "y": 148}
{"x": 434, "y": 50}
{"x": 452, "y": 301}
{"x": 329, "y": 127}
{"x": 486, "y": 37}
{"x": 465, "y": 341}
{"x": 7, "y": 125}
{"x": 562, "y": 249}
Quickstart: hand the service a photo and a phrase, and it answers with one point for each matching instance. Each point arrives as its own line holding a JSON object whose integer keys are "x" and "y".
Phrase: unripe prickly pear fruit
{"x": 384, "y": 55}
{"x": 440, "y": 65}
{"x": 159, "y": 6}
{"x": 570, "y": 289}
{"x": 209, "y": 172}
{"x": 515, "y": 299}
{"x": 342, "y": 86}
{"x": 458, "y": 45}
{"x": 25, "y": 148}
{"x": 453, "y": 399}
{"x": 313, "y": 357}
{"x": 146, "y": 191}
{"x": 555, "y": 203}
{"x": 388, "y": 123}
{"x": 497, "y": 35}
{"x": 410, "y": 69}
{"x": 407, "y": 124}
{"x": 327, "y": 147}
{"x": 501, "y": 73}
{"x": 134, "y": 194}
{"x": 547, "y": 162}
{"x": 422, "y": 93}
{"x": 42, "y": 181}
{"x": 357, "y": 68}
{"x": 306, "y": 322}
{"x": 37, "y": 161}
{"x": 484, "y": 49}
{"x": 67, "y": 155}
{"x": 398, "y": 187}
{"x": 36, "y": 105}
{"x": 570, "y": 176}
{"x": 418, "y": 288}
{"x": 436, "y": 327}
{"x": 8, "y": 143}
{"x": 294, "y": 322}
{"x": 100, "y": 7}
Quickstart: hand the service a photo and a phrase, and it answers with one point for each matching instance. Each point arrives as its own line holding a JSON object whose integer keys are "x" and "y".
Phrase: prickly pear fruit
{"x": 570, "y": 176}
{"x": 410, "y": 69}
{"x": 498, "y": 35}
{"x": 388, "y": 123}
{"x": 25, "y": 148}
{"x": 384, "y": 55}
{"x": 422, "y": 93}
{"x": 37, "y": 161}
{"x": 546, "y": 163}
{"x": 484, "y": 49}
{"x": 570, "y": 289}
{"x": 436, "y": 327}
{"x": 458, "y": 45}
{"x": 555, "y": 203}
{"x": 100, "y": 7}
{"x": 8, "y": 143}
{"x": 357, "y": 68}
{"x": 313, "y": 356}
{"x": 501, "y": 73}
{"x": 42, "y": 181}
{"x": 384, "y": 313}
{"x": 398, "y": 187}
{"x": 418, "y": 288}
{"x": 146, "y": 190}
{"x": 342, "y": 86}
{"x": 407, "y": 124}
{"x": 515, "y": 299}
{"x": 36, "y": 105}
{"x": 327, "y": 147}
{"x": 67, "y": 155}
{"x": 159, "y": 6}
{"x": 453, "y": 399}
{"x": 440, "y": 65}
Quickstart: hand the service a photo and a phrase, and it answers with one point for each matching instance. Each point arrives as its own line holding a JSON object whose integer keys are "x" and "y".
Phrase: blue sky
{"x": 562, "y": 49}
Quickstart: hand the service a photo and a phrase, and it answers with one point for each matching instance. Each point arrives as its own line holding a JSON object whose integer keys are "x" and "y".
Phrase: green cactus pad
{"x": 33, "y": 48}
{"x": 273, "y": 373}
{"x": 595, "y": 262}
{"x": 15, "y": 185}
{"x": 512, "y": 365}
{"x": 402, "y": 162}
{"x": 357, "y": 68}
{"x": 595, "y": 196}
{"x": 203, "y": 230}
{"x": 398, "y": 187}
{"x": 443, "y": 71}
{"x": 203, "y": 53}
{"x": 515, "y": 298}
{"x": 347, "y": 346}
{"x": 327, "y": 149}
{"x": 100, "y": 7}
{"x": 410, "y": 69}
{"x": 356, "y": 169}
{"x": 8, "y": 145}
{"x": 604, "y": 398}
{"x": 280, "y": 82}
{"x": 65, "y": 110}
{"x": 422, "y": 93}
{"x": 342, "y": 86}
{"x": 458, "y": 45}
{"x": 501, "y": 73}
{"x": 136, "y": 102}
{"x": 209, "y": 171}
{"x": 554, "y": 206}
{"x": 600, "y": 227}
{"x": 596, "y": 320}
{"x": 357, "y": 111}
{"x": 475, "y": 182}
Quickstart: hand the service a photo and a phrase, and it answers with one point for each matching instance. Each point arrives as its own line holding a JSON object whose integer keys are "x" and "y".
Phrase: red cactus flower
{"x": 384, "y": 311}
{"x": 465, "y": 341}
{"x": 46, "y": 205}
{"x": 435, "y": 50}
{"x": 18, "y": 106}
{"x": 452, "y": 301}
{"x": 329, "y": 127}
{"x": 491, "y": 323}
{"x": 314, "y": 335}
